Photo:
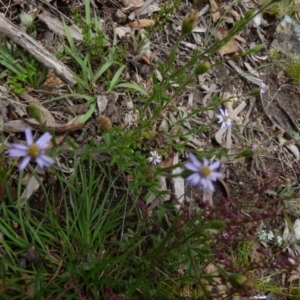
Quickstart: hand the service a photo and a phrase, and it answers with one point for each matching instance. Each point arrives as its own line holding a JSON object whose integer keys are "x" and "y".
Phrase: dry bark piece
{"x": 178, "y": 181}
{"x": 57, "y": 128}
{"x": 4, "y": 102}
{"x": 15, "y": 126}
{"x": 77, "y": 109}
{"x": 35, "y": 49}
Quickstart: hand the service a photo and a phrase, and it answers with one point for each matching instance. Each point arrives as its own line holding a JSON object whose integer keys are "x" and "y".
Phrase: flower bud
{"x": 189, "y": 22}
{"x": 35, "y": 112}
{"x": 202, "y": 68}
{"x": 216, "y": 225}
{"x": 241, "y": 282}
{"x": 26, "y": 19}
{"x": 105, "y": 124}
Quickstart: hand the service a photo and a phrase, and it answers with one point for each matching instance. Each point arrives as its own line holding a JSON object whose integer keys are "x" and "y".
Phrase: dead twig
{"x": 288, "y": 115}
{"x": 40, "y": 53}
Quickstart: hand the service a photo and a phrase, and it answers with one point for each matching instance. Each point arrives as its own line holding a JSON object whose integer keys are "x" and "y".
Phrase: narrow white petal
{"x": 216, "y": 165}
{"x": 17, "y": 152}
{"x": 193, "y": 179}
{"x": 190, "y": 166}
{"x": 44, "y": 161}
{"x": 44, "y": 140}
{"x": 220, "y": 118}
{"x": 24, "y": 163}
{"x": 158, "y": 160}
{"x": 215, "y": 175}
{"x": 205, "y": 162}
{"x": 203, "y": 182}
{"x": 29, "y": 137}
{"x": 19, "y": 146}
{"x": 194, "y": 160}
{"x": 210, "y": 186}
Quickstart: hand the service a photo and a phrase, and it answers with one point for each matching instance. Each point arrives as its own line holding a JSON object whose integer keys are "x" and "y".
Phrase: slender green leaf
{"x": 116, "y": 78}
{"x": 132, "y": 86}
{"x": 88, "y": 114}
{"x": 102, "y": 70}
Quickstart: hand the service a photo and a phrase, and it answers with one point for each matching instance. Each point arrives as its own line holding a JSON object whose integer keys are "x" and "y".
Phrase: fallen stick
{"x": 40, "y": 53}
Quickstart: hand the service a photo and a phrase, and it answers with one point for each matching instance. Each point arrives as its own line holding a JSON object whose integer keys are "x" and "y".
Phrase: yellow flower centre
{"x": 205, "y": 171}
{"x": 33, "y": 150}
{"x": 226, "y": 118}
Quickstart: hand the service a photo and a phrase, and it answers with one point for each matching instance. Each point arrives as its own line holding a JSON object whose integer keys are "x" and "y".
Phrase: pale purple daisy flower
{"x": 35, "y": 151}
{"x": 203, "y": 173}
{"x": 224, "y": 118}
{"x": 263, "y": 87}
{"x": 155, "y": 158}
{"x": 254, "y": 148}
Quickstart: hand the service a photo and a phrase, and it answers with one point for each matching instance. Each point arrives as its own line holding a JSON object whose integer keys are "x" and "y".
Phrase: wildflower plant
{"x": 32, "y": 151}
{"x": 203, "y": 174}
{"x": 264, "y": 235}
{"x": 263, "y": 88}
{"x": 155, "y": 158}
{"x": 224, "y": 118}
{"x": 113, "y": 244}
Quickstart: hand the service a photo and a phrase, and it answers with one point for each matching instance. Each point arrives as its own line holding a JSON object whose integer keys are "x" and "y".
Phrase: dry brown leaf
{"x": 140, "y": 23}
{"x": 102, "y": 103}
{"x": 295, "y": 275}
{"x": 122, "y": 31}
{"x": 293, "y": 148}
{"x": 57, "y": 26}
{"x": 240, "y": 298}
{"x": 46, "y": 114}
{"x": 52, "y": 80}
{"x": 168, "y": 162}
{"x": 231, "y": 46}
{"x": 255, "y": 255}
{"x": 215, "y": 10}
{"x": 132, "y": 4}
{"x": 148, "y": 8}
{"x": 211, "y": 269}
{"x": 32, "y": 186}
